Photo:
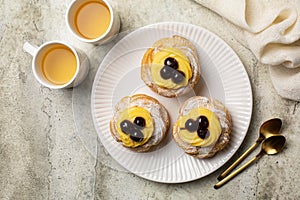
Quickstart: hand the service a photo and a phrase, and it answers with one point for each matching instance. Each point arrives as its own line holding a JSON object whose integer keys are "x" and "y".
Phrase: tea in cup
{"x": 58, "y": 65}
{"x": 92, "y": 21}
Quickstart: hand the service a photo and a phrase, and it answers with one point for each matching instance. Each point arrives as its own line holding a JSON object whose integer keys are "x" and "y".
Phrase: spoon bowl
{"x": 267, "y": 129}
{"x": 271, "y": 146}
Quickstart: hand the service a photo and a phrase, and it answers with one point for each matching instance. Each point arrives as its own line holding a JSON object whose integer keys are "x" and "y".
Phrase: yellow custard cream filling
{"x": 130, "y": 114}
{"x": 158, "y": 64}
{"x": 192, "y": 138}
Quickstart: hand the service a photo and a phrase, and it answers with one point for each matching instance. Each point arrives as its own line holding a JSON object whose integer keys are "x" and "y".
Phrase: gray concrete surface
{"x": 42, "y": 156}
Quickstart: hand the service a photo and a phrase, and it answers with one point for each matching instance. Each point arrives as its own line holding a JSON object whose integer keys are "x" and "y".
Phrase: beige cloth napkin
{"x": 272, "y": 31}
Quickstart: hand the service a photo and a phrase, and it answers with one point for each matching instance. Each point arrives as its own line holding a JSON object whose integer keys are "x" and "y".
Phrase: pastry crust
{"x": 225, "y": 121}
{"x": 158, "y": 112}
{"x": 187, "y": 48}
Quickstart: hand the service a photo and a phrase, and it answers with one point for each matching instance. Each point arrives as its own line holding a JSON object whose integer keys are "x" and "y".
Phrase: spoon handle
{"x": 238, "y": 171}
{"x": 238, "y": 161}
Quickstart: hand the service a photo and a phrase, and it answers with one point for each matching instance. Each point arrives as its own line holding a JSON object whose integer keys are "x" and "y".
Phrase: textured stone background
{"x": 41, "y": 153}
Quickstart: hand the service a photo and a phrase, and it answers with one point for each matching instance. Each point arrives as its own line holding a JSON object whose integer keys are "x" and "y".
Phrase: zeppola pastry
{"x": 203, "y": 127}
{"x": 140, "y": 122}
{"x": 171, "y": 66}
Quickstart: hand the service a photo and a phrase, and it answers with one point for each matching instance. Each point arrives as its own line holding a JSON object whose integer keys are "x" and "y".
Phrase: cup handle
{"x": 29, "y": 48}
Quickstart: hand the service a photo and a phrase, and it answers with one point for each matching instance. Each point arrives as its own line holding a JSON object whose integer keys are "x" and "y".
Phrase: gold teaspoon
{"x": 267, "y": 129}
{"x": 272, "y": 145}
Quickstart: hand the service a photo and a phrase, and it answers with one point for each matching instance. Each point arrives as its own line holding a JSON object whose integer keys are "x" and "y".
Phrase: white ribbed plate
{"x": 222, "y": 77}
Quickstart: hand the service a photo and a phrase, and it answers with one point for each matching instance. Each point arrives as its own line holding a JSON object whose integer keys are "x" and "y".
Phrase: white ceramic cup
{"x": 39, "y": 53}
{"x": 112, "y": 30}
